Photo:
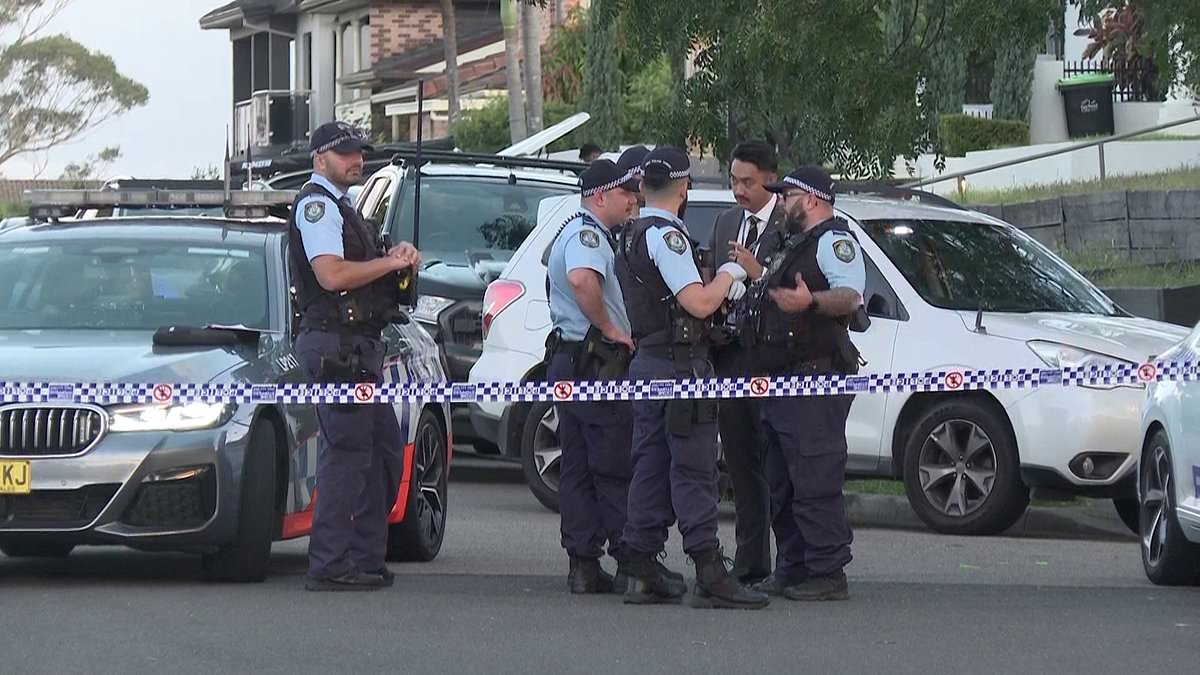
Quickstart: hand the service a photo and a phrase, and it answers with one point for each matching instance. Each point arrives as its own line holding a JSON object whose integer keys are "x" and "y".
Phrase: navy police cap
{"x": 603, "y": 175}
{"x": 812, "y": 179}
{"x": 666, "y": 161}
{"x": 338, "y": 137}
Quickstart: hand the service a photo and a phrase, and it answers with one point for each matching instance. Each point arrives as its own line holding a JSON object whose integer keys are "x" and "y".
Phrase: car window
{"x": 961, "y": 265}
{"x": 701, "y": 218}
{"x": 130, "y": 284}
{"x": 882, "y": 301}
{"x": 471, "y": 214}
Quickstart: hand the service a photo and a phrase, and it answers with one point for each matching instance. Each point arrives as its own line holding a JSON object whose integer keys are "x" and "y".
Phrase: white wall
{"x": 1047, "y": 120}
{"x": 1120, "y": 158}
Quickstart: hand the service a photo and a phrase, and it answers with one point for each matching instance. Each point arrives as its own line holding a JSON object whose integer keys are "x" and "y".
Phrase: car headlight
{"x": 180, "y": 417}
{"x": 429, "y": 307}
{"x": 1058, "y": 355}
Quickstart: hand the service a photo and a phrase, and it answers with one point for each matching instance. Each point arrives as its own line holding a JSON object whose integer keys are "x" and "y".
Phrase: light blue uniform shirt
{"x": 583, "y": 244}
{"x": 841, "y": 260}
{"x": 671, "y": 251}
{"x": 320, "y": 221}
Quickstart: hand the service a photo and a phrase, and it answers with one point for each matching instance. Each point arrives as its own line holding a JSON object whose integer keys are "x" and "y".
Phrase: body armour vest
{"x": 325, "y": 310}
{"x": 655, "y": 316}
{"x": 780, "y": 339}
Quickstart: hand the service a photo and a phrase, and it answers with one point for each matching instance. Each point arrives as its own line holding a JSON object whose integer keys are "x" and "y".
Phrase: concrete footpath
{"x": 1091, "y": 519}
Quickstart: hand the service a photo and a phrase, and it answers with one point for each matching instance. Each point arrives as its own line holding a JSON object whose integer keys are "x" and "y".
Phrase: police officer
{"x": 345, "y": 291}
{"x": 631, "y": 160}
{"x": 674, "y": 442}
{"x": 811, "y": 288}
{"x": 590, "y": 341}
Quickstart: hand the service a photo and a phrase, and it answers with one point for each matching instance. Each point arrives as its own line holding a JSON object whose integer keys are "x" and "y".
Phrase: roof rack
{"x": 407, "y": 155}
{"x": 897, "y": 192}
{"x": 56, "y": 204}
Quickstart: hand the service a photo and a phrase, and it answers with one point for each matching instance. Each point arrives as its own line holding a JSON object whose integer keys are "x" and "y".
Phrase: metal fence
{"x": 1138, "y": 83}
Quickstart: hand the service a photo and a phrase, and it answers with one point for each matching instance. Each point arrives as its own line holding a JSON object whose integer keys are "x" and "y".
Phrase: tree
{"x": 509, "y": 17}
{"x": 53, "y": 89}
{"x": 1170, "y": 35}
{"x": 450, "y": 38}
{"x": 827, "y": 82}
{"x": 531, "y": 34}
{"x": 602, "y": 85}
{"x": 89, "y": 168}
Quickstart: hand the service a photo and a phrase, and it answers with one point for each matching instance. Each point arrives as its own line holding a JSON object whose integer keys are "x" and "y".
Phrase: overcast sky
{"x": 187, "y": 70}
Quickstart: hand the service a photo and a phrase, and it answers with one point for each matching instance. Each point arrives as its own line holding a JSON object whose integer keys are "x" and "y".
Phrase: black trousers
{"x": 745, "y": 457}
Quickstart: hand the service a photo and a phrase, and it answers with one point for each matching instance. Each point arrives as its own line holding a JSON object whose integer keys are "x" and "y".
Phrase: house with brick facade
{"x": 298, "y": 63}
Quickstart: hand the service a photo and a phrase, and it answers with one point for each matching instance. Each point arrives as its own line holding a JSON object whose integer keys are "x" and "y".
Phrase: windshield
{"x": 134, "y": 285}
{"x": 461, "y": 214}
{"x": 956, "y": 265}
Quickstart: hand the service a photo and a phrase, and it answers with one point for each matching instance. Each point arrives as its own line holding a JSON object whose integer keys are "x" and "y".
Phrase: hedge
{"x": 964, "y": 133}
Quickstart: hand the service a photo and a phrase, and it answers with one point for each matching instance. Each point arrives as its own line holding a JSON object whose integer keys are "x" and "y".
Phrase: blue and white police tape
{"x": 624, "y": 390}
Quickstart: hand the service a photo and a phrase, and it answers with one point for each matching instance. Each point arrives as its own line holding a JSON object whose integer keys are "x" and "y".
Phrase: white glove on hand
{"x": 734, "y": 270}
{"x": 736, "y": 291}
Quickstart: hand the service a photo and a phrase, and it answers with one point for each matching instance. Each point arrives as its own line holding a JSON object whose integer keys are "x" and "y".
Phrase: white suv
{"x": 947, "y": 288}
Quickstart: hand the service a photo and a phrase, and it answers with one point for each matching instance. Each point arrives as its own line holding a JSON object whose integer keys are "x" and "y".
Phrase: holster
{"x": 682, "y": 414}
{"x": 347, "y": 367}
{"x": 600, "y": 359}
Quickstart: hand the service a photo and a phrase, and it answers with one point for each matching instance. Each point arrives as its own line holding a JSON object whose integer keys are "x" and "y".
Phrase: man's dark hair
{"x": 588, "y": 150}
{"x": 758, "y": 153}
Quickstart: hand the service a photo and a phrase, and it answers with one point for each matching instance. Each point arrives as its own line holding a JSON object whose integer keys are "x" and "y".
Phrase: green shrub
{"x": 964, "y": 133}
{"x": 486, "y": 129}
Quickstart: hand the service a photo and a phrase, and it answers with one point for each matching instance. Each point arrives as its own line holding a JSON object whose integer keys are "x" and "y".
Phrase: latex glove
{"x": 736, "y": 291}
{"x": 734, "y": 270}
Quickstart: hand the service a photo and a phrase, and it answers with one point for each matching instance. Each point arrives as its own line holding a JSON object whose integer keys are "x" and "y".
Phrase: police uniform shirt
{"x": 841, "y": 261}
{"x": 320, "y": 221}
{"x": 671, "y": 251}
{"x": 583, "y": 244}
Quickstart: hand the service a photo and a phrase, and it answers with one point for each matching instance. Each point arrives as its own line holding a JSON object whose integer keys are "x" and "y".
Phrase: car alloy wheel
{"x": 541, "y": 453}
{"x": 419, "y": 537}
{"x": 957, "y": 467}
{"x": 547, "y": 450}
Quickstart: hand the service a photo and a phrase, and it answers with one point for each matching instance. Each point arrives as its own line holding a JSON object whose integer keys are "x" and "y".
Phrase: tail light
{"x": 497, "y": 298}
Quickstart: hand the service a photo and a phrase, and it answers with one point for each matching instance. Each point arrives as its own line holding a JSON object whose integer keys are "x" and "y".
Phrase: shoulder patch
{"x": 314, "y": 210}
{"x": 675, "y": 241}
{"x": 844, "y": 250}
{"x": 589, "y": 238}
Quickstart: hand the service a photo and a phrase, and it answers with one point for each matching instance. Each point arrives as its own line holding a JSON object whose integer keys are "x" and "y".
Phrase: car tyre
{"x": 1167, "y": 556}
{"x": 961, "y": 469}
{"x": 248, "y": 557}
{"x": 1129, "y": 509}
{"x": 418, "y": 538}
{"x": 541, "y": 453}
{"x": 36, "y": 549}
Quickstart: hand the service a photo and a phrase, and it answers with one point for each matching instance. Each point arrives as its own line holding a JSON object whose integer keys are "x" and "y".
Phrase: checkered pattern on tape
{"x": 1125, "y": 373}
{"x": 1007, "y": 378}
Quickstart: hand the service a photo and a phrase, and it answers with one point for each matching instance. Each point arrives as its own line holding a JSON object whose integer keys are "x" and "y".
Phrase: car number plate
{"x": 15, "y": 478}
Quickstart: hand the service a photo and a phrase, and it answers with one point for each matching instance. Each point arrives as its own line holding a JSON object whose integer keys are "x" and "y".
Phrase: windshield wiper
{"x": 210, "y": 334}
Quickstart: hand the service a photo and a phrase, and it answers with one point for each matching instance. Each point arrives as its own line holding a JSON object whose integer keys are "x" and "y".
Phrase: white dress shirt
{"x": 763, "y": 215}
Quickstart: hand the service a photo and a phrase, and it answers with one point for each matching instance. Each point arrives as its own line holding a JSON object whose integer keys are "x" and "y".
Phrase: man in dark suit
{"x": 747, "y": 234}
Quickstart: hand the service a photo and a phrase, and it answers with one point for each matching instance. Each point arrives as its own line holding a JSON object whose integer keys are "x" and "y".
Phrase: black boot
{"x": 772, "y": 585}
{"x": 717, "y": 588}
{"x": 587, "y": 576}
{"x": 829, "y": 587}
{"x": 648, "y": 586}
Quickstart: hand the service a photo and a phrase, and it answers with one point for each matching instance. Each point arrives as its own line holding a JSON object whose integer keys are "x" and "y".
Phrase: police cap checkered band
{"x": 632, "y": 158}
{"x": 339, "y": 137}
{"x": 603, "y": 175}
{"x": 668, "y": 161}
{"x": 812, "y": 179}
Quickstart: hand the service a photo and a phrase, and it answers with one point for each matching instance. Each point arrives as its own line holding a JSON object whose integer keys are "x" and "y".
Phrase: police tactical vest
{"x": 655, "y": 316}
{"x": 317, "y": 307}
{"x": 782, "y": 340}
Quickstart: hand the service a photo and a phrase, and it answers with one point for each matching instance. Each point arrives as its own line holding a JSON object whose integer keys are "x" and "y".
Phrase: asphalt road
{"x": 495, "y": 602}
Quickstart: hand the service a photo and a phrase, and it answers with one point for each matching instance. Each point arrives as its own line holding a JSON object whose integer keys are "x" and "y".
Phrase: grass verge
{"x": 1181, "y": 179}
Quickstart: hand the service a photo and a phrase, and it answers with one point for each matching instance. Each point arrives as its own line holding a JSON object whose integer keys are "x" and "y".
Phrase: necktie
{"x": 751, "y": 232}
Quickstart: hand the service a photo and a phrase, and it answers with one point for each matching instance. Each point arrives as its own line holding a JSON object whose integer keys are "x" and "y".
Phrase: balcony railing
{"x": 270, "y": 121}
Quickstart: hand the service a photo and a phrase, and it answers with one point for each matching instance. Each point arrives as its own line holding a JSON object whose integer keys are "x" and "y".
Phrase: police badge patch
{"x": 675, "y": 241}
{"x": 314, "y": 210}
{"x": 589, "y": 238}
{"x": 844, "y": 250}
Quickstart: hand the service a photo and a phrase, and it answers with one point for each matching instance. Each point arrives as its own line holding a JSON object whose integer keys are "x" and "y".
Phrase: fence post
{"x": 1101, "y": 148}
